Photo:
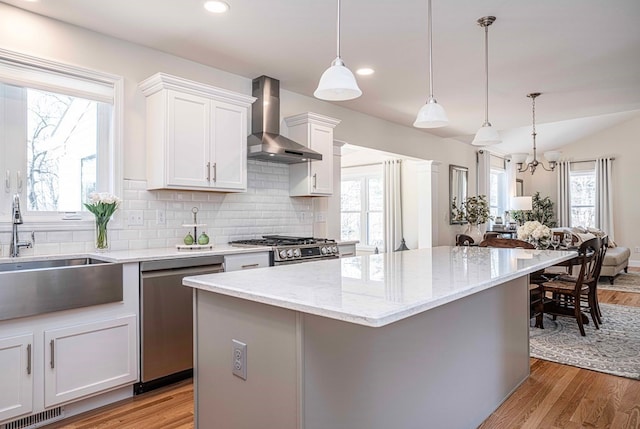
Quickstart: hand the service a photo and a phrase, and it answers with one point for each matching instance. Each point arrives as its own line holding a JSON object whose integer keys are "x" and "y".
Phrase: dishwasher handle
{"x": 183, "y": 272}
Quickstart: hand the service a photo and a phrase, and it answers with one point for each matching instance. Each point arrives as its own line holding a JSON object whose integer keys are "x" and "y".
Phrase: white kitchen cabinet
{"x": 315, "y": 131}
{"x": 16, "y": 379}
{"x": 88, "y": 358}
{"x": 246, "y": 261}
{"x": 196, "y": 135}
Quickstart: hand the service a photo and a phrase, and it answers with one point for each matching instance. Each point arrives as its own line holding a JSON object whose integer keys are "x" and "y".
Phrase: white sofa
{"x": 615, "y": 261}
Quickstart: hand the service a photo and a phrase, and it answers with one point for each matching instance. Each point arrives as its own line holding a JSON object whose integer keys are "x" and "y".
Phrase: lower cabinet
{"x": 89, "y": 358}
{"x": 347, "y": 250}
{"x": 16, "y": 378}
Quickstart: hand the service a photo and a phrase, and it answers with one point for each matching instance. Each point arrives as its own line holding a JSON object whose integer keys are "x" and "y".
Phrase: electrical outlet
{"x": 135, "y": 218}
{"x": 239, "y": 359}
{"x": 637, "y": 249}
{"x": 161, "y": 217}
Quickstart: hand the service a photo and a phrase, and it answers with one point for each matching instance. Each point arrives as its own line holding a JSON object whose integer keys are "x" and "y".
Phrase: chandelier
{"x": 524, "y": 161}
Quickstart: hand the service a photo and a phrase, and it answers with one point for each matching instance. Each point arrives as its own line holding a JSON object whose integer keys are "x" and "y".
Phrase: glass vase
{"x": 102, "y": 235}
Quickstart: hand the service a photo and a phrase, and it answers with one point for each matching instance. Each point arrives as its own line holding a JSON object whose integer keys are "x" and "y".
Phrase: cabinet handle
{"x": 7, "y": 182}
{"x": 244, "y": 267}
{"x": 208, "y": 172}
{"x": 52, "y": 362}
{"x": 315, "y": 181}
{"x": 347, "y": 254}
{"x": 29, "y": 359}
{"x": 215, "y": 171}
{"x": 19, "y": 181}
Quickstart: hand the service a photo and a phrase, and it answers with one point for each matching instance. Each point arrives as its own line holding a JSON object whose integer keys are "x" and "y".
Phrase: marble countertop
{"x": 141, "y": 255}
{"x": 376, "y": 290}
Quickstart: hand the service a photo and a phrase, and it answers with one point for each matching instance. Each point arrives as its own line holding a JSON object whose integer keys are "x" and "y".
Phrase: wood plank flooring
{"x": 554, "y": 396}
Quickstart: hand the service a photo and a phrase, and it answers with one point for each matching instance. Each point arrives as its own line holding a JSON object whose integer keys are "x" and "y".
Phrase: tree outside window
{"x": 583, "y": 198}
{"x": 361, "y": 206}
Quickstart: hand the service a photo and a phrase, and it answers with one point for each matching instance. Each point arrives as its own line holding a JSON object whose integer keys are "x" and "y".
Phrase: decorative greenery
{"x": 102, "y": 205}
{"x": 474, "y": 210}
{"x": 541, "y": 211}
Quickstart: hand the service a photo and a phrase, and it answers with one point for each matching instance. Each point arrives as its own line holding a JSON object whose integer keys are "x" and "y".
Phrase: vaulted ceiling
{"x": 583, "y": 55}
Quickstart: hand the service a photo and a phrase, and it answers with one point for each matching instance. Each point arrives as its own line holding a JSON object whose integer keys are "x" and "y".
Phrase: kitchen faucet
{"x": 16, "y": 244}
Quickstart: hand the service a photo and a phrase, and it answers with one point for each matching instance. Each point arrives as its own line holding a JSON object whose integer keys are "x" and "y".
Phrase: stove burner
{"x": 288, "y": 250}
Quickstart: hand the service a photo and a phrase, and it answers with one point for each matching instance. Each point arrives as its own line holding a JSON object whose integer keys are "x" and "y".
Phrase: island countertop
{"x": 377, "y": 290}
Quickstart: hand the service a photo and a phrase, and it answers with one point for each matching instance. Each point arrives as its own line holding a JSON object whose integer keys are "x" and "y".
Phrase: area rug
{"x": 624, "y": 282}
{"x": 613, "y": 349}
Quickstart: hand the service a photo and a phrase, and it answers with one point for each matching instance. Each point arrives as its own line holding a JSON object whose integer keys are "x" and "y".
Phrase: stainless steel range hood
{"x": 265, "y": 142}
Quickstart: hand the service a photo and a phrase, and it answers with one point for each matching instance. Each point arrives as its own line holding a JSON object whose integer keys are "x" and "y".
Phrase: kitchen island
{"x": 416, "y": 339}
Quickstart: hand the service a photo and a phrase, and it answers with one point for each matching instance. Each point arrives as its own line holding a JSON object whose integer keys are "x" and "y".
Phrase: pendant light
{"x": 337, "y": 83}
{"x": 486, "y": 135}
{"x": 432, "y": 114}
{"x": 522, "y": 160}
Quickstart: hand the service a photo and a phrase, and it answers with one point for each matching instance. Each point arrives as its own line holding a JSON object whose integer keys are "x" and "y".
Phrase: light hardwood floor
{"x": 554, "y": 396}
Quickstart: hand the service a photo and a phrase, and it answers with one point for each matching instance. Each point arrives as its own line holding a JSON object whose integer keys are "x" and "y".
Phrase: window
{"x": 498, "y": 191}
{"x": 361, "y": 207}
{"x": 583, "y": 195}
{"x": 60, "y": 138}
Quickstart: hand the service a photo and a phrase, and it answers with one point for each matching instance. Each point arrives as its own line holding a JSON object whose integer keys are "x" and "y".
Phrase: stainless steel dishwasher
{"x": 166, "y": 319}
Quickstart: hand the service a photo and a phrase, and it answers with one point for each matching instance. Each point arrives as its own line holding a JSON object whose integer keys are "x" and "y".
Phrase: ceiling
{"x": 583, "y": 55}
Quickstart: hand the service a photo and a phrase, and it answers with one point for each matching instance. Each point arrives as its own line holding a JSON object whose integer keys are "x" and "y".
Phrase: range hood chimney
{"x": 265, "y": 142}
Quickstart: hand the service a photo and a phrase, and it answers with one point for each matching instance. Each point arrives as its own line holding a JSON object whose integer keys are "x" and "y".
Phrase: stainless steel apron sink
{"x": 30, "y": 288}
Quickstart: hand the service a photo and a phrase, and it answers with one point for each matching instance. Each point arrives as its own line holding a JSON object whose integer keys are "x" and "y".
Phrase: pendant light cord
{"x": 486, "y": 74}
{"x": 430, "y": 51}
{"x": 533, "y": 110}
{"x": 338, "y": 31}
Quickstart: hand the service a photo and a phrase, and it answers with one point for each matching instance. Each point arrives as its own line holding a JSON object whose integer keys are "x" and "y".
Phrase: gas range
{"x": 294, "y": 250}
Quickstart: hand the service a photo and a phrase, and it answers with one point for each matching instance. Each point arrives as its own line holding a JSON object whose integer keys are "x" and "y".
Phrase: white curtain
{"x": 564, "y": 193}
{"x": 604, "y": 196}
{"x": 392, "y": 205}
{"x": 483, "y": 172}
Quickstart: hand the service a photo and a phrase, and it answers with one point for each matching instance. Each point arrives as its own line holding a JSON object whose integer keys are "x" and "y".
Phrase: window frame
{"x": 363, "y": 174}
{"x": 27, "y": 71}
{"x": 582, "y": 172}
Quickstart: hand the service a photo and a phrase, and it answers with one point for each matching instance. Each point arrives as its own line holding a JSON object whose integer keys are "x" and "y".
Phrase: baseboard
{"x": 634, "y": 263}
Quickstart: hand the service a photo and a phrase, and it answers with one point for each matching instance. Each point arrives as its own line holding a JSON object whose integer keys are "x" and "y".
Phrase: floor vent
{"x": 36, "y": 420}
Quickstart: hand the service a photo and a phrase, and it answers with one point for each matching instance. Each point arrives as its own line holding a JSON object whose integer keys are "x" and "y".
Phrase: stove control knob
{"x": 296, "y": 253}
{"x": 289, "y": 253}
{"x": 323, "y": 250}
{"x": 335, "y": 249}
{"x": 283, "y": 254}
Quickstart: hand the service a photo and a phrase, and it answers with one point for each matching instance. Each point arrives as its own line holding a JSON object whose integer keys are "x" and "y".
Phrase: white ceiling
{"x": 583, "y": 55}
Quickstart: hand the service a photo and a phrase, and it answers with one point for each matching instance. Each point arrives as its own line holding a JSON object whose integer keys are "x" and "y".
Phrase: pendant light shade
{"x": 337, "y": 83}
{"x": 486, "y": 135}
{"x": 432, "y": 114}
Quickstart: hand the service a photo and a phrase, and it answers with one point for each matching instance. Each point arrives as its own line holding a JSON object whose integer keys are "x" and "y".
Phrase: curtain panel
{"x": 604, "y": 196}
{"x": 392, "y": 204}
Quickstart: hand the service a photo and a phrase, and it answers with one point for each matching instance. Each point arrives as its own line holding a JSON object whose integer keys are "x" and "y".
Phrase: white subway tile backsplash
{"x": 265, "y": 208}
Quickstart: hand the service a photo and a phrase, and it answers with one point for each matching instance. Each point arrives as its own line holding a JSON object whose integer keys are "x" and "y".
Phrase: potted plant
{"x": 474, "y": 211}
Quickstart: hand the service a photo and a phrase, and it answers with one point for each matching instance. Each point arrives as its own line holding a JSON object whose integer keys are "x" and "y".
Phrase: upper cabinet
{"x": 196, "y": 135}
{"x": 314, "y": 178}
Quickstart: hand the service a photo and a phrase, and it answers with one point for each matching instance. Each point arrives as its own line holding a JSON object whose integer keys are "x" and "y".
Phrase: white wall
{"x": 620, "y": 142}
{"x": 35, "y": 35}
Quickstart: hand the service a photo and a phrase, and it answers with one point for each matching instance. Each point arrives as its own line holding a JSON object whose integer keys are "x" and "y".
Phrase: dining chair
{"x": 463, "y": 240}
{"x": 568, "y": 293}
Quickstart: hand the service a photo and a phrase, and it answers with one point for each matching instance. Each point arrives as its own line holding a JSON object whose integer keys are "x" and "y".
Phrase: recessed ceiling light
{"x": 365, "y": 71}
{"x": 216, "y": 6}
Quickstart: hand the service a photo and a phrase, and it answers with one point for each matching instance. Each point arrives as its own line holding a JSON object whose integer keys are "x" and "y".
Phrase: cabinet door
{"x": 229, "y": 146}
{"x": 188, "y": 138}
{"x": 16, "y": 381}
{"x": 85, "y": 359}
{"x": 321, "y": 140}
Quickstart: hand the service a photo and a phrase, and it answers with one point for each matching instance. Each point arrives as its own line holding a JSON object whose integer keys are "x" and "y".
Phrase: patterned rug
{"x": 613, "y": 349}
{"x": 624, "y": 282}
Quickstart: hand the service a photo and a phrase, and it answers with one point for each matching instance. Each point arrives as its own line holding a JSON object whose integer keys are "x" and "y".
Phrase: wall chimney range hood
{"x": 265, "y": 143}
